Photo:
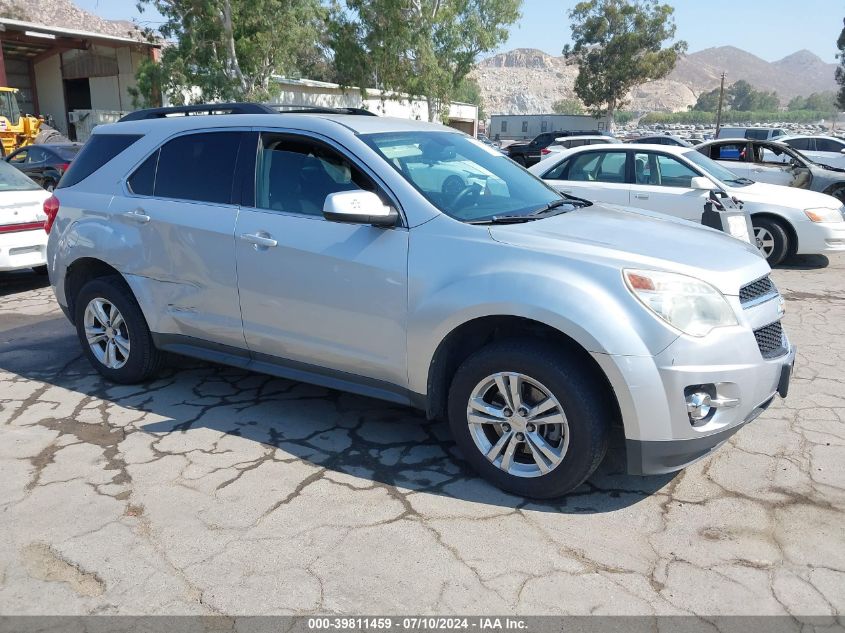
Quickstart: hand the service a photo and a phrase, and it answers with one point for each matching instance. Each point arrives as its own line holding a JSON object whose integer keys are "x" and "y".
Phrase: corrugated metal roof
{"x": 20, "y": 25}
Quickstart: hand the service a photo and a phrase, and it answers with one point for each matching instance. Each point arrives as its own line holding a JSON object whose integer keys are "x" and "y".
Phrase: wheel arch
{"x": 791, "y": 233}
{"x": 471, "y": 336}
{"x": 79, "y": 273}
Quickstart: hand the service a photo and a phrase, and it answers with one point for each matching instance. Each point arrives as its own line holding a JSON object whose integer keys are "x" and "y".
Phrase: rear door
{"x": 177, "y": 219}
{"x": 662, "y": 183}
{"x": 595, "y": 175}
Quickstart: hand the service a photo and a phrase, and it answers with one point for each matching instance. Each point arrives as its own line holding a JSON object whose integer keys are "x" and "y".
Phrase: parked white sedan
{"x": 677, "y": 181}
{"x": 827, "y": 150}
{"x": 23, "y": 241}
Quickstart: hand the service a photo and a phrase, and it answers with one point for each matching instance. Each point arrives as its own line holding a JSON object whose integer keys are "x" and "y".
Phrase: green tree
{"x": 840, "y": 70}
{"x": 422, "y": 48}
{"x": 821, "y": 102}
{"x": 229, "y": 49}
{"x": 797, "y": 103}
{"x": 568, "y": 106}
{"x": 619, "y": 44}
{"x": 468, "y": 91}
{"x": 707, "y": 101}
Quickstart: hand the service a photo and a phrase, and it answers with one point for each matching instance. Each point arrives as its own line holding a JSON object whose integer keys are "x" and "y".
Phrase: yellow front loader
{"x": 16, "y": 129}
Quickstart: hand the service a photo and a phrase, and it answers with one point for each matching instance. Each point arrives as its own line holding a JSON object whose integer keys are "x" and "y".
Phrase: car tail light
{"x": 51, "y": 208}
{"x": 63, "y": 167}
{"x": 545, "y": 151}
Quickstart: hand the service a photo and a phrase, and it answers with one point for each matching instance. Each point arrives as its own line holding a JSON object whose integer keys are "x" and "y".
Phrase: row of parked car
{"x": 410, "y": 262}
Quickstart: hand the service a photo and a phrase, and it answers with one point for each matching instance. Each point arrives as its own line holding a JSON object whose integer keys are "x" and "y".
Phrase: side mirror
{"x": 842, "y": 151}
{"x": 359, "y": 207}
{"x": 701, "y": 182}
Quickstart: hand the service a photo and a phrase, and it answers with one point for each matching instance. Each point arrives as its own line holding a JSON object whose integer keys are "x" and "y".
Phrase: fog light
{"x": 699, "y": 405}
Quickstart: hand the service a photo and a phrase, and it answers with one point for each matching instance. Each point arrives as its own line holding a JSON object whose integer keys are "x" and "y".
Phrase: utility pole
{"x": 719, "y": 113}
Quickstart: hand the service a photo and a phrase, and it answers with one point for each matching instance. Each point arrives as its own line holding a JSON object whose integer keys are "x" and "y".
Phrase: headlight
{"x": 824, "y": 215}
{"x": 688, "y": 304}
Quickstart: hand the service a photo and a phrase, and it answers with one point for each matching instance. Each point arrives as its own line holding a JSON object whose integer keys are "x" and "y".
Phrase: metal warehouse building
{"x": 74, "y": 78}
{"x": 518, "y": 127}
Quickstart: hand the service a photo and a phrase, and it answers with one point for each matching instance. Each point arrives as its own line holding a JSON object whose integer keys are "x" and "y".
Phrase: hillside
{"x": 529, "y": 81}
{"x": 65, "y": 13}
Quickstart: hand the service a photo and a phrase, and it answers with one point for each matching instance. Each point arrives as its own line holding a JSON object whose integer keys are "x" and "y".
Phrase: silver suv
{"x": 410, "y": 262}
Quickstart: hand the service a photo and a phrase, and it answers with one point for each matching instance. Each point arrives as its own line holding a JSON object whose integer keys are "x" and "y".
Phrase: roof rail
{"x": 238, "y": 108}
{"x": 203, "y": 108}
{"x": 290, "y": 108}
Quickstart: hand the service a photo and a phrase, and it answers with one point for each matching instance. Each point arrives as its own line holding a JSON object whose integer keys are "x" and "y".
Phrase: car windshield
{"x": 13, "y": 180}
{"x": 715, "y": 170}
{"x": 461, "y": 176}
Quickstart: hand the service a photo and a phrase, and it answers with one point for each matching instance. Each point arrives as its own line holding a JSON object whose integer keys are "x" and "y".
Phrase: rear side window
{"x": 197, "y": 167}
{"x": 827, "y": 145}
{"x": 801, "y": 144}
{"x": 98, "y": 151}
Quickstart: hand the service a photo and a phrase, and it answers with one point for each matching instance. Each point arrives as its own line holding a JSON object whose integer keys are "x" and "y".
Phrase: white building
{"x": 307, "y": 92}
{"x": 518, "y": 127}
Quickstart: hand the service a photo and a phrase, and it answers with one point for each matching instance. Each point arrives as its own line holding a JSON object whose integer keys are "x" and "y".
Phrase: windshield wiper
{"x": 544, "y": 211}
{"x": 505, "y": 219}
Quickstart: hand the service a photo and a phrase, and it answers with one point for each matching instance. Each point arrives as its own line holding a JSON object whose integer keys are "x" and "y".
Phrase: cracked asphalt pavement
{"x": 213, "y": 490}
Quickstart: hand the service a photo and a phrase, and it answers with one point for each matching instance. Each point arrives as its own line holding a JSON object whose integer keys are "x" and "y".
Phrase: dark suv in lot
{"x": 530, "y": 153}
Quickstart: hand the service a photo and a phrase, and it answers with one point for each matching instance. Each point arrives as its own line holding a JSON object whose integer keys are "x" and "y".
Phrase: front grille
{"x": 770, "y": 340}
{"x": 756, "y": 289}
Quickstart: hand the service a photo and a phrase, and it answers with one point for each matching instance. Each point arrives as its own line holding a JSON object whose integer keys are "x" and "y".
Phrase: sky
{"x": 771, "y": 29}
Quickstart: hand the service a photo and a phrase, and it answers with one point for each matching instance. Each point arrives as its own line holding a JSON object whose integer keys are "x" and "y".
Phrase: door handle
{"x": 137, "y": 215}
{"x": 641, "y": 196}
{"x": 260, "y": 239}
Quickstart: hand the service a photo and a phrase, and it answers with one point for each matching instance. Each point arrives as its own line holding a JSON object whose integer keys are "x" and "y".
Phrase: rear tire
{"x": 569, "y": 451}
{"x": 771, "y": 239}
{"x": 118, "y": 342}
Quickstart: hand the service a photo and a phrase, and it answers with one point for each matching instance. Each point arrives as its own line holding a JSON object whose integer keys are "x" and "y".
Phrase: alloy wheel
{"x": 106, "y": 332}
{"x": 518, "y": 424}
{"x": 765, "y": 241}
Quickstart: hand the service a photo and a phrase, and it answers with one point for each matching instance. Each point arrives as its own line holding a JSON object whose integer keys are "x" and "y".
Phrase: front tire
{"x": 528, "y": 418}
{"x": 113, "y": 332}
{"x": 771, "y": 239}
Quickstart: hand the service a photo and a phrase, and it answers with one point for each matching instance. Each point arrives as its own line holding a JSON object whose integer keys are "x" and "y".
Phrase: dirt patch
{"x": 42, "y": 562}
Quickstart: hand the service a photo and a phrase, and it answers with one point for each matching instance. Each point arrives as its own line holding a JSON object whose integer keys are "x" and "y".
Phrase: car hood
{"x": 784, "y": 196}
{"x": 623, "y": 237}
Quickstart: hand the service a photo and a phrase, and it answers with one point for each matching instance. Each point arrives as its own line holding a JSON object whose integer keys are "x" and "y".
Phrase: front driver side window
{"x": 296, "y": 174}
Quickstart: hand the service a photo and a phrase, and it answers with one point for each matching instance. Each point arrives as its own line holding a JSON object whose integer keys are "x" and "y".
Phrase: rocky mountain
{"x": 65, "y": 13}
{"x": 529, "y": 81}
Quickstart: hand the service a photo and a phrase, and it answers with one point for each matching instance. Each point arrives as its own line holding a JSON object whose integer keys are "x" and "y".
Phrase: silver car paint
{"x": 348, "y": 307}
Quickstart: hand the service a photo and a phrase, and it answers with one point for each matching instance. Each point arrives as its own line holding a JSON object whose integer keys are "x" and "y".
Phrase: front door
{"x": 662, "y": 183}
{"x": 325, "y": 294}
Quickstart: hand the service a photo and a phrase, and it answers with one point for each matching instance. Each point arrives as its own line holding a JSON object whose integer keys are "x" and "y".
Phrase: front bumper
{"x": 728, "y": 363}
{"x": 817, "y": 238}
{"x": 23, "y": 249}
{"x": 655, "y": 457}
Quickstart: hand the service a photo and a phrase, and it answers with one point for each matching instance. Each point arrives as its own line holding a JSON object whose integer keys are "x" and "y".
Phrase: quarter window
{"x": 295, "y": 175}
{"x": 142, "y": 182}
{"x": 198, "y": 167}
{"x": 97, "y": 151}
